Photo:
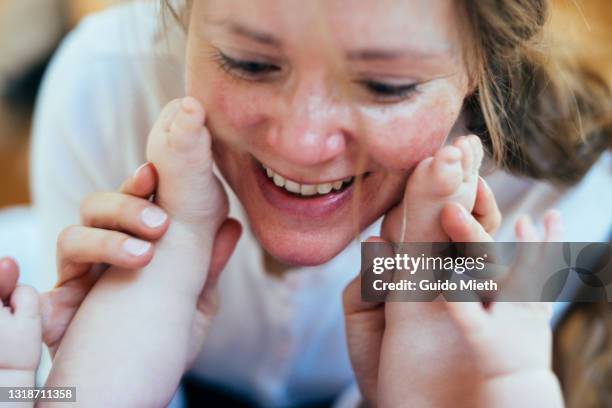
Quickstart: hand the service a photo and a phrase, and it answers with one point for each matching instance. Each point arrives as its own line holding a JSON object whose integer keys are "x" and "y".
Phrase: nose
{"x": 311, "y": 127}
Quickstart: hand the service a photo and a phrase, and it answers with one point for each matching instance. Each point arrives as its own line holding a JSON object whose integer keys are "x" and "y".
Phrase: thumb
{"x": 351, "y": 297}
{"x": 392, "y": 226}
{"x": 9, "y": 273}
{"x": 223, "y": 247}
{"x": 225, "y": 242}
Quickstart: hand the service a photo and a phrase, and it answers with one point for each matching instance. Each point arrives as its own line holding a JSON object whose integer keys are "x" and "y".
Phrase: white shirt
{"x": 278, "y": 341}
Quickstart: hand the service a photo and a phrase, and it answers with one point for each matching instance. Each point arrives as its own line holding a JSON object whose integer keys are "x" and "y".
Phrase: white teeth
{"x": 292, "y": 186}
{"x": 309, "y": 189}
{"x": 324, "y": 188}
{"x": 279, "y": 180}
{"x": 305, "y": 189}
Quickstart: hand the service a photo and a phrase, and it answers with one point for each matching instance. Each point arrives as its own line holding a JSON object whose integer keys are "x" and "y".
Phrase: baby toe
{"x": 478, "y": 154}
{"x": 446, "y": 171}
{"x": 186, "y": 127}
{"x": 467, "y": 160}
{"x": 25, "y": 302}
{"x": 9, "y": 273}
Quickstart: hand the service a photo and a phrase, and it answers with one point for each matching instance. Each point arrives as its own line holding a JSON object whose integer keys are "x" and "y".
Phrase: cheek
{"x": 403, "y": 138}
{"x": 232, "y": 108}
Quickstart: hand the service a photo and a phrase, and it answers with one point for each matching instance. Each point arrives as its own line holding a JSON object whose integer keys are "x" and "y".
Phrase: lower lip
{"x": 313, "y": 206}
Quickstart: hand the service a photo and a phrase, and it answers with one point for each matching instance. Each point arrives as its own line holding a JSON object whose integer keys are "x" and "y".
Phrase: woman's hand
{"x": 117, "y": 229}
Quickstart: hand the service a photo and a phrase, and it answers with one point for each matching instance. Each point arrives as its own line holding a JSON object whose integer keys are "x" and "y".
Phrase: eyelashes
{"x": 244, "y": 69}
{"x": 389, "y": 92}
{"x": 256, "y": 71}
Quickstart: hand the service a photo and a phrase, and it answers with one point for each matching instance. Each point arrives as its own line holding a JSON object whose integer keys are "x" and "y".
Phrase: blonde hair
{"x": 543, "y": 113}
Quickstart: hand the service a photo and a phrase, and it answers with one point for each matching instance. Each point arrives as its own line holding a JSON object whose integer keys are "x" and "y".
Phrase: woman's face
{"x": 320, "y": 92}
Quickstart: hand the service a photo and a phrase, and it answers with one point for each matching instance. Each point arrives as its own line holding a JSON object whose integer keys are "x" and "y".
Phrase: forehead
{"x": 351, "y": 23}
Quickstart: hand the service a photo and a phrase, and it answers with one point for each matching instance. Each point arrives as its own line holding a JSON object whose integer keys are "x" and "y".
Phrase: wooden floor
{"x": 14, "y": 141}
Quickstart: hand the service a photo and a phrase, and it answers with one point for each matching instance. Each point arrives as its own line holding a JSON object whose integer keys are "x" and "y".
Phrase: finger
{"x": 553, "y": 226}
{"x": 461, "y": 226}
{"x": 78, "y": 247}
{"x": 59, "y": 305}
{"x": 524, "y": 229}
{"x": 122, "y": 212}
{"x": 9, "y": 273}
{"x": 225, "y": 242}
{"x": 485, "y": 209}
{"x": 24, "y": 301}
{"x": 143, "y": 183}
{"x": 351, "y": 296}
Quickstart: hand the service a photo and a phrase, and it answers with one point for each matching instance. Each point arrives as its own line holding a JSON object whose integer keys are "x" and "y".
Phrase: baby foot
{"x": 180, "y": 148}
{"x": 451, "y": 175}
{"x": 20, "y": 329}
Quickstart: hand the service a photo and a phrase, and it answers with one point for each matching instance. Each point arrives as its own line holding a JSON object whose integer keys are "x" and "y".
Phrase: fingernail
{"x": 153, "y": 217}
{"x": 136, "y": 247}
{"x": 142, "y": 166}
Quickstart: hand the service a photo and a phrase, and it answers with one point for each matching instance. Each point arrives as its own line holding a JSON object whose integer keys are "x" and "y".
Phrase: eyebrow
{"x": 382, "y": 54}
{"x": 364, "y": 54}
{"x": 245, "y": 31}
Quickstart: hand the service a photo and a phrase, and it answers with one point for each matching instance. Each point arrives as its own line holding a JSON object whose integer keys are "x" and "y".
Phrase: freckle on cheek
{"x": 407, "y": 143}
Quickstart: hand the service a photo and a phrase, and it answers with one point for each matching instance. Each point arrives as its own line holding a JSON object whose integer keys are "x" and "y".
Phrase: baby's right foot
{"x": 451, "y": 175}
{"x": 20, "y": 329}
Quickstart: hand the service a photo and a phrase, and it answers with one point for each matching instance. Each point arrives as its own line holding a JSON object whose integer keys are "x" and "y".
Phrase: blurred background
{"x": 30, "y": 31}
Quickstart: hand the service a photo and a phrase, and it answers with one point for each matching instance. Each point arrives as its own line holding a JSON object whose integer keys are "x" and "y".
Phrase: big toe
{"x": 9, "y": 273}
{"x": 185, "y": 130}
{"x": 446, "y": 171}
{"x": 180, "y": 145}
{"x": 180, "y": 149}
{"x": 179, "y": 136}
{"x": 24, "y": 301}
{"x": 464, "y": 144}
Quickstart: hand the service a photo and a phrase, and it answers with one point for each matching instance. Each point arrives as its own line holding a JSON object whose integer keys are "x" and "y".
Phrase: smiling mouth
{"x": 307, "y": 190}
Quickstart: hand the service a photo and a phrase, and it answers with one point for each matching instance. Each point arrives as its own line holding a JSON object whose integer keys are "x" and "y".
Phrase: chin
{"x": 302, "y": 248}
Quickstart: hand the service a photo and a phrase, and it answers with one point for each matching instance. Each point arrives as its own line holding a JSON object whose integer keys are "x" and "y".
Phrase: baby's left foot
{"x": 20, "y": 329}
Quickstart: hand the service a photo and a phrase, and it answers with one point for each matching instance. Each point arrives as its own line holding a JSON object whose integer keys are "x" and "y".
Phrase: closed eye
{"x": 387, "y": 92}
{"x": 245, "y": 69}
